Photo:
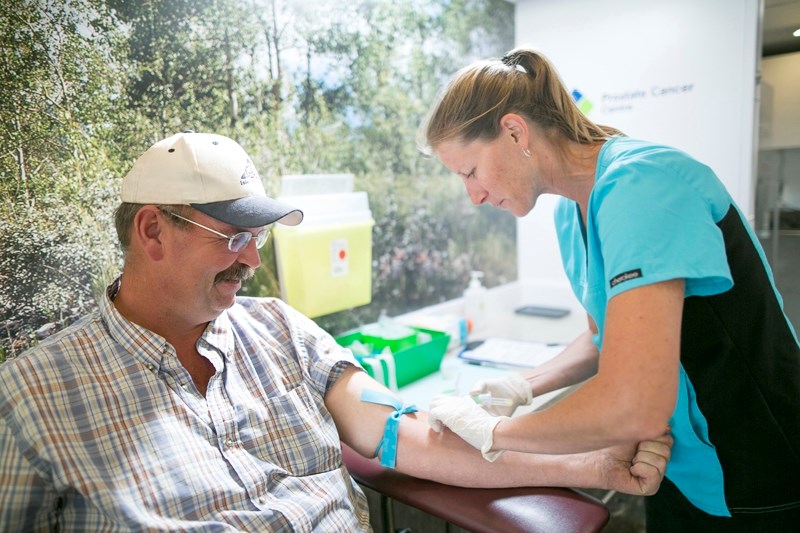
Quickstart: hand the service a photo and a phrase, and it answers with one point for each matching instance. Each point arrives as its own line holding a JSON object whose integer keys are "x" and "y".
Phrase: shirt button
{"x": 229, "y": 443}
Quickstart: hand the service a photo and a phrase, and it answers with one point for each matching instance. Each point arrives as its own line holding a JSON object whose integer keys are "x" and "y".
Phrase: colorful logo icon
{"x": 583, "y": 103}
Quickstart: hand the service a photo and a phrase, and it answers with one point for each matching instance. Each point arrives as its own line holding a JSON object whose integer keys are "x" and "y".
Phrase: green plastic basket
{"x": 411, "y": 363}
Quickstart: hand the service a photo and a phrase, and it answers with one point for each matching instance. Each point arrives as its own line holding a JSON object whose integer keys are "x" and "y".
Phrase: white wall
{"x": 650, "y": 69}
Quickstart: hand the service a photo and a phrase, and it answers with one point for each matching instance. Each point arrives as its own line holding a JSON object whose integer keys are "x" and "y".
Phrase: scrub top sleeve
{"x": 653, "y": 226}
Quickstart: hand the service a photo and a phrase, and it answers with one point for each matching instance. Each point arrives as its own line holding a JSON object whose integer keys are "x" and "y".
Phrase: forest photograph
{"x": 312, "y": 87}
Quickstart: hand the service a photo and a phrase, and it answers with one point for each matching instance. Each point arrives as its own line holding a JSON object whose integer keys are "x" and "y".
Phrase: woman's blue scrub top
{"x": 656, "y": 214}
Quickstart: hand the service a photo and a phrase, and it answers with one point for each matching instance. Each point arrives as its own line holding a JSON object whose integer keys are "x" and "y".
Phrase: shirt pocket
{"x": 293, "y": 430}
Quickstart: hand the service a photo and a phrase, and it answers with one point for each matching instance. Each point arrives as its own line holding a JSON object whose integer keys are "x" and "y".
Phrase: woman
{"x": 686, "y": 329}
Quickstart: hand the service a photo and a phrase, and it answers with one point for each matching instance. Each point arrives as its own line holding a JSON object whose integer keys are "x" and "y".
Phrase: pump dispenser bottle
{"x": 475, "y": 301}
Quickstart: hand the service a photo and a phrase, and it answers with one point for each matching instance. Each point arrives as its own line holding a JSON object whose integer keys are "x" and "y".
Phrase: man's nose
{"x": 249, "y": 255}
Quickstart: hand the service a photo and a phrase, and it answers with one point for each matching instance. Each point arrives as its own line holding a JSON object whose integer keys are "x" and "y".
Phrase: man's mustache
{"x": 237, "y": 272}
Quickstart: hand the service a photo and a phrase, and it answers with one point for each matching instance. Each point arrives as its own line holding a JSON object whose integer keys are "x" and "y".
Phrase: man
{"x": 178, "y": 406}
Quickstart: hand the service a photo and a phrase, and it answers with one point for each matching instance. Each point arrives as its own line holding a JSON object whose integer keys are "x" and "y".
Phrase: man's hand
{"x": 635, "y": 469}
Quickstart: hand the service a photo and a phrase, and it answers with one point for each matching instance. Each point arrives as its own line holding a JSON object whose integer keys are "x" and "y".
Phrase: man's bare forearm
{"x": 445, "y": 458}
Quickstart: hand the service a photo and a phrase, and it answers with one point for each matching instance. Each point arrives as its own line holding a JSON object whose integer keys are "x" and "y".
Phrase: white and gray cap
{"x": 209, "y": 172}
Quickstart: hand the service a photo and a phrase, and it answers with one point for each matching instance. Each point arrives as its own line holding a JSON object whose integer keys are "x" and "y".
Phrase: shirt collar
{"x": 219, "y": 335}
{"x": 140, "y": 342}
{"x": 151, "y": 348}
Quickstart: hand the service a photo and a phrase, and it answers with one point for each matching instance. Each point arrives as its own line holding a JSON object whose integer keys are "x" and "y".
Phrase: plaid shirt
{"x": 102, "y": 429}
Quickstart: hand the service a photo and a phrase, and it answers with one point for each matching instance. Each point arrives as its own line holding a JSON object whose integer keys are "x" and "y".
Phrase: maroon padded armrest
{"x": 527, "y": 509}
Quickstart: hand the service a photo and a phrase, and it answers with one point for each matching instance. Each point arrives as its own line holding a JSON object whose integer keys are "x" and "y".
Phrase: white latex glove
{"x": 511, "y": 386}
{"x": 466, "y": 419}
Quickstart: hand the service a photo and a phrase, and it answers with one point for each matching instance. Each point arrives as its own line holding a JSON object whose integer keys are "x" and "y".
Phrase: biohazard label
{"x": 340, "y": 258}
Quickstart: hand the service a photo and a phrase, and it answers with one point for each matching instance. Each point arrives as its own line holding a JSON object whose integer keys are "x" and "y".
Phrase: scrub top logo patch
{"x": 625, "y": 276}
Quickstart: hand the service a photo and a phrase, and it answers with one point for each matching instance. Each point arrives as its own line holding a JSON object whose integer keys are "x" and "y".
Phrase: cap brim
{"x": 252, "y": 212}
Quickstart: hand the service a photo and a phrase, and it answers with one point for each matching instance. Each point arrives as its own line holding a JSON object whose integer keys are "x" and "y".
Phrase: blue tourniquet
{"x": 388, "y": 444}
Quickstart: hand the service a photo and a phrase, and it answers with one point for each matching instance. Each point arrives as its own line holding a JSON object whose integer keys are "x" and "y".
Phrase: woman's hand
{"x": 466, "y": 419}
{"x": 512, "y": 387}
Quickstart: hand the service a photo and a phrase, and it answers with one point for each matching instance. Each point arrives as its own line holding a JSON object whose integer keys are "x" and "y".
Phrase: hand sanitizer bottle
{"x": 475, "y": 301}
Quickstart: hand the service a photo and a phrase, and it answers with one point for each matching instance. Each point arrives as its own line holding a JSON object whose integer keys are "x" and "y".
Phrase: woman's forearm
{"x": 577, "y": 363}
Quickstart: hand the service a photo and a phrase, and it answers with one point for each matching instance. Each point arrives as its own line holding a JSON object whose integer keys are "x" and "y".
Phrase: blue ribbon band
{"x": 388, "y": 444}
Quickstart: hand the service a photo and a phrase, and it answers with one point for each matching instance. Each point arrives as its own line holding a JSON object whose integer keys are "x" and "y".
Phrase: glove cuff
{"x": 521, "y": 386}
{"x": 492, "y": 456}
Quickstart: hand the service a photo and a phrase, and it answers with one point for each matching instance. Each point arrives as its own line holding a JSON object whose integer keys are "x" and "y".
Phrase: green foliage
{"x": 320, "y": 87}
{"x": 59, "y": 78}
{"x": 53, "y": 263}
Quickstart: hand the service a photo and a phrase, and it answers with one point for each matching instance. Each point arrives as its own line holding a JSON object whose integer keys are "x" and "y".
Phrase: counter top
{"x": 456, "y": 376}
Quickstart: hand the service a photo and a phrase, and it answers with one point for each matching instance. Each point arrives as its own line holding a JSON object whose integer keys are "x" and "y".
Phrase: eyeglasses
{"x": 236, "y": 243}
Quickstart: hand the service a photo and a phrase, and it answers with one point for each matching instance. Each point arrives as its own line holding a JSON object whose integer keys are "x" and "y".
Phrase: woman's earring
{"x": 526, "y": 153}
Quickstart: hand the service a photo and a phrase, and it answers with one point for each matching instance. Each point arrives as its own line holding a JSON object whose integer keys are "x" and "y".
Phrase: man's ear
{"x": 148, "y": 227}
{"x": 515, "y": 126}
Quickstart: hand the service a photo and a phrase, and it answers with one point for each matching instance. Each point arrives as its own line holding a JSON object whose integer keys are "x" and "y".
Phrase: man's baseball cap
{"x": 209, "y": 172}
